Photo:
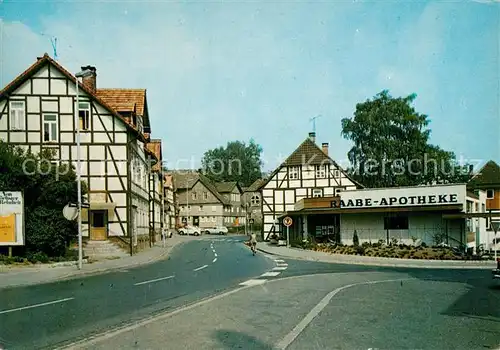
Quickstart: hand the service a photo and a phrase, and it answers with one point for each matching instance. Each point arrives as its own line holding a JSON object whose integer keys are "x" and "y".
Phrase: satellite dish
{"x": 70, "y": 213}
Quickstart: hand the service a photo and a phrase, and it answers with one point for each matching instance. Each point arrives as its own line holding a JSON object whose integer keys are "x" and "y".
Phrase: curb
{"x": 383, "y": 264}
{"x": 77, "y": 274}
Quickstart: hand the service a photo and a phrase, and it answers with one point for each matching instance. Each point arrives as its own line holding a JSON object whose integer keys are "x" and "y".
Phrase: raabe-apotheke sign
{"x": 11, "y": 218}
{"x": 402, "y": 197}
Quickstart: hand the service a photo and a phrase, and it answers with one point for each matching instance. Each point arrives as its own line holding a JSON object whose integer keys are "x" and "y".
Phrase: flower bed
{"x": 386, "y": 251}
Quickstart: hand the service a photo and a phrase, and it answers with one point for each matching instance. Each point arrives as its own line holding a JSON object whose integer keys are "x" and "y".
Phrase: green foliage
{"x": 47, "y": 189}
{"x": 355, "y": 239}
{"x": 236, "y": 162}
{"x": 391, "y": 146}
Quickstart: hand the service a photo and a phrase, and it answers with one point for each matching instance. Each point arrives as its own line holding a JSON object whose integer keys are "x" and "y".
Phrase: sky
{"x": 218, "y": 72}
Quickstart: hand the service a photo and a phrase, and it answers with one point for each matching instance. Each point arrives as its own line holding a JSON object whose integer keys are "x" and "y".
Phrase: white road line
{"x": 35, "y": 305}
{"x": 290, "y": 337}
{"x": 215, "y": 254}
{"x": 281, "y": 265}
{"x": 214, "y": 260}
{"x": 270, "y": 274}
{"x": 200, "y": 268}
{"x": 155, "y": 280}
{"x": 279, "y": 261}
{"x": 280, "y": 268}
{"x": 252, "y": 282}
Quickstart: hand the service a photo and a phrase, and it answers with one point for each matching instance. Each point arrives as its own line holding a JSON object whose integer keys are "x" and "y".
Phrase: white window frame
{"x": 320, "y": 171}
{"x": 85, "y": 117}
{"x": 317, "y": 191}
{"x": 17, "y": 115}
{"x": 294, "y": 173}
{"x": 493, "y": 194}
{"x": 255, "y": 200}
{"x": 50, "y": 123}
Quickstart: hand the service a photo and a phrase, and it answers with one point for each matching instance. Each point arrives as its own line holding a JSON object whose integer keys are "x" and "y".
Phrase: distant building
{"x": 252, "y": 202}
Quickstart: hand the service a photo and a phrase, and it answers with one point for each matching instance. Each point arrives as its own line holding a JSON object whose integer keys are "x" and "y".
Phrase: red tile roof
{"x": 124, "y": 100}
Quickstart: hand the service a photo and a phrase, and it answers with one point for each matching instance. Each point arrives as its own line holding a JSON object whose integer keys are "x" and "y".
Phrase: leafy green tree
{"x": 238, "y": 161}
{"x": 47, "y": 189}
{"x": 391, "y": 146}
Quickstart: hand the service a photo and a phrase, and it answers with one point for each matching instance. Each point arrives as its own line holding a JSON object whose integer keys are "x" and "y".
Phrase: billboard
{"x": 11, "y": 218}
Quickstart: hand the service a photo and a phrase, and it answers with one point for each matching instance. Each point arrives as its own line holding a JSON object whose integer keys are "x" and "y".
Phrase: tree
{"x": 391, "y": 146}
{"x": 236, "y": 162}
{"x": 47, "y": 189}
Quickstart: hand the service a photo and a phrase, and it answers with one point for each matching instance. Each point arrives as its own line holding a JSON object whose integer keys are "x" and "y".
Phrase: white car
{"x": 190, "y": 230}
{"x": 219, "y": 230}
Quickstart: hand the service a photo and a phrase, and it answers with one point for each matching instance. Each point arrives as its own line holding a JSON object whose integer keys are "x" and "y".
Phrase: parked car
{"x": 219, "y": 230}
{"x": 190, "y": 230}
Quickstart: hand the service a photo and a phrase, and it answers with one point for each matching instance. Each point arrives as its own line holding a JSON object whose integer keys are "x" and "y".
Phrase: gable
{"x": 46, "y": 77}
{"x": 488, "y": 176}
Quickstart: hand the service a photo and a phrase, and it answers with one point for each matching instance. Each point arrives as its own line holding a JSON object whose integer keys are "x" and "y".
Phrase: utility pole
{"x": 187, "y": 201}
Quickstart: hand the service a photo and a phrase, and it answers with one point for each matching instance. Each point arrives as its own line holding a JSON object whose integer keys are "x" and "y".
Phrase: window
{"x": 490, "y": 194}
{"x": 483, "y": 208}
{"x": 50, "y": 128}
{"x": 396, "y": 223}
{"x": 294, "y": 172}
{"x": 201, "y": 207}
{"x": 205, "y": 195}
{"x": 320, "y": 171}
{"x": 338, "y": 191}
{"x": 337, "y": 173}
{"x": 317, "y": 192}
{"x": 17, "y": 115}
{"x": 213, "y": 218}
{"x": 255, "y": 200}
{"x": 84, "y": 115}
{"x": 193, "y": 195}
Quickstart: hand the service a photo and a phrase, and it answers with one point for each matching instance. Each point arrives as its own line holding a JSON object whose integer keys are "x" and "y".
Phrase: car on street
{"x": 219, "y": 230}
{"x": 190, "y": 230}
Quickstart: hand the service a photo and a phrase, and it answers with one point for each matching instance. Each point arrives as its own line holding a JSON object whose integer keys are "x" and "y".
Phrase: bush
{"x": 46, "y": 192}
{"x": 355, "y": 239}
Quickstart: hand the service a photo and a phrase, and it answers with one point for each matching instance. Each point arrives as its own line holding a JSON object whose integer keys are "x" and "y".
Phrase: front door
{"x": 98, "y": 225}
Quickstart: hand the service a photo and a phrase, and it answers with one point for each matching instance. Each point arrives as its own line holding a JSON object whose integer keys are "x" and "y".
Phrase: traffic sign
{"x": 184, "y": 220}
{"x": 251, "y": 221}
{"x": 70, "y": 212}
{"x": 287, "y": 221}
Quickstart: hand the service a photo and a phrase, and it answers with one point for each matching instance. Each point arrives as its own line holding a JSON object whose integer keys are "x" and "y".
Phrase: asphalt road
{"x": 422, "y": 309}
{"x": 52, "y": 314}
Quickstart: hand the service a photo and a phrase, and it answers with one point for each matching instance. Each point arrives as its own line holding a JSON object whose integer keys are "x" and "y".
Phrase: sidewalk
{"x": 13, "y": 276}
{"x": 310, "y": 255}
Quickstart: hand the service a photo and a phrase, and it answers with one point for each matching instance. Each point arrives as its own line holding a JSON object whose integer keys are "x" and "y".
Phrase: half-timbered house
{"x": 156, "y": 208}
{"x": 37, "y": 111}
{"x": 308, "y": 172}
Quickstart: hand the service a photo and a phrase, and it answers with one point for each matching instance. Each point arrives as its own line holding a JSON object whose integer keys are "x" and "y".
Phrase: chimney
{"x": 324, "y": 146}
{"x": 90, "y": 81}
{"x": 312, "y": 136}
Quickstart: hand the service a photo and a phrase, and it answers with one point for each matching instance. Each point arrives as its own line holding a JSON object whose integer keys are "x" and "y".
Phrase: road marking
{"x": 252, "y": 282}
{"x": 281, "y": 265}
{"x": 35, "y": 305}
{"x": 270, "y": 274}
{"x": 215, "y": 259}
{"x": 279, "y": 261}
{"x": 215, "y": 254}
{"x": 155, "y": 280}
{"x": 280, "y": 268}
{"x": 290, "y": 337}
{"x": 200, "y": 268}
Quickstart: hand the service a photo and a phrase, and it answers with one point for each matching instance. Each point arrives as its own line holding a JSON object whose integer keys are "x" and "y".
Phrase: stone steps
{"x": 103, "y": 249}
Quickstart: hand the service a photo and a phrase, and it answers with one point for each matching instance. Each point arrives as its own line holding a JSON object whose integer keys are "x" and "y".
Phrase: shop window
{"x": 396, "y": 223}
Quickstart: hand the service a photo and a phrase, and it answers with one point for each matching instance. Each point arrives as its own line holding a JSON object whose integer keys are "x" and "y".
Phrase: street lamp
{"x": 81, "y": 74}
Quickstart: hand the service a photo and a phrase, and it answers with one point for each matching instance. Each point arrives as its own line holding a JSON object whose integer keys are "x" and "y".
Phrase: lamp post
{"x": 81, "y": 74}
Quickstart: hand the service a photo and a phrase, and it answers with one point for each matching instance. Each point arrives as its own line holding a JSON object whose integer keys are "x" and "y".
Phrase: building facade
{"x": 37, "y": 112}
{"x": 251, "y": 201}
{"x": 234, "y": 213}
{"x": 308, "y": 172}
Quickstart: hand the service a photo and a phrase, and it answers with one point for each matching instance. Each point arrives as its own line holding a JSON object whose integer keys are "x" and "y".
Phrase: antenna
{"x": 53, "y": 41}
{"x": 313, "y": 120}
